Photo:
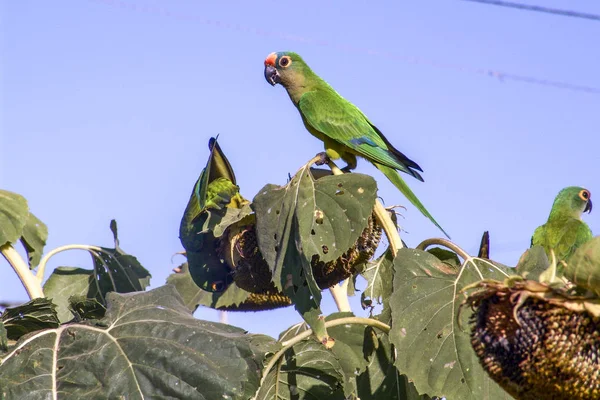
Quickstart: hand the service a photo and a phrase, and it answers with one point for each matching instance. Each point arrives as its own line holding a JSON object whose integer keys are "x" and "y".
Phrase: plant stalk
{"x": 300, "y": 337}
{"x": 28, "y": 279}
{"x": 42, "y": 267}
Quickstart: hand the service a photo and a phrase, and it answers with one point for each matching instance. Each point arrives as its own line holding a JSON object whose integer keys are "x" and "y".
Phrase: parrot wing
{"x": 214, "y": 178}
{"x": 338, "y": 119}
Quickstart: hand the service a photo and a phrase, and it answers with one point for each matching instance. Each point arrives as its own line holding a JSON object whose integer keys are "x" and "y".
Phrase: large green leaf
{"x": 207, "y": 269}
{"x": 380, "y": 276}
{"x": 14, "y": 213}
{"x": 147, "y": 346}
{"x": 381, "y": 379}
{"x": 218, "y": 220}
{"x": 310, "y": 218}
{"x": 84, "y": 308}
{"x": 66, "y": 282}
{"x": 119, "y": 272}
{"x": 432, "y": 349}
{"x": 308, "y": 371}
{"x": 330, "y": 213}
{"x": 32, "y": 316}
{"x": 114, "y": 271}
{"x": 533, "y": 263}
{"x": 349, "y": 349}
{"x": 193, "y": 296}
{"x": 34, "y": 236}
{"x": 583, "y": 267}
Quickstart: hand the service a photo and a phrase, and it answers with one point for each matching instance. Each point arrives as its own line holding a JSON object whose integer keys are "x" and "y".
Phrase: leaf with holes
{"x": 14, "y": 213}
{"x": 147, "y": 346}
{"x": 310, "y": 218}
{"x": 432, "y": 348}
{"x": 379, "y": 275}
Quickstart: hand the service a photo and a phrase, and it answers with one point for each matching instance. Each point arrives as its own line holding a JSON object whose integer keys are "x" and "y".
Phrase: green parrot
{"x": 214, "y": 192}
{"x": 215, "y": 189}
{"x": 565, "y": 231}
{"x": 345, "y": 131}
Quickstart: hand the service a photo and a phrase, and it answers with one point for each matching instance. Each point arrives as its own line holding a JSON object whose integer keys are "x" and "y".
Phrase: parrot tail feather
{"x": 397, "y": 180}
{"x": 400, "y": 157}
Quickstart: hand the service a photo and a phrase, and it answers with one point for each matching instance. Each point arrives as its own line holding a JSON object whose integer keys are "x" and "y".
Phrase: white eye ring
{"x": 285, "y": 61}
{"x": 584, "y": 195}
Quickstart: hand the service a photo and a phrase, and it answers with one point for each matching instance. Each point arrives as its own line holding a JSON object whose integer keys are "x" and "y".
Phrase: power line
{"x": 492, "y": 73}
{"x": 548, "y": 10}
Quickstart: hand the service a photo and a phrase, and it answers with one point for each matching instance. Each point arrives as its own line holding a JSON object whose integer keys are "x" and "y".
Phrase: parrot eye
{"x": 285, "y": 61}
{"x": 584, "y": 195}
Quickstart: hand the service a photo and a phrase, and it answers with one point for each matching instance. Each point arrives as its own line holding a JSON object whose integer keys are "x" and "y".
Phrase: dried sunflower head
{"x": 537, "y": 342}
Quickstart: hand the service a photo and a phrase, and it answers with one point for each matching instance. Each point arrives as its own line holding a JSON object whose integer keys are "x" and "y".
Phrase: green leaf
{"x": 147, "y": 346}
{"x": 379, "y": 275}
{"x": 193, "y": 296}
{"x": 583, "y": 267}
{"x": 86, "y": 309}
{"x": 381, "y": 380}
{"x": 14, "y": 213}
{"x": 349, "y": 349}
{"x": 330, "y": 214}
{"x": 432, "y": 349}
{"x": 533, "y": 263}
{"x": 307, "y": 218}
{"x": 119, "y": 272}
{"x": 3, "y": 337}
{"x": 32, "y": 316}
{"x": 218, "y": 220}
{"x": 448, "y": 257}
{"x": 308, "y": 371}
{"x": 65, "y": 282}
{"x": 207, "y": 269}
{"x": 34, "y": 236}
{"x": 114, "y": 271}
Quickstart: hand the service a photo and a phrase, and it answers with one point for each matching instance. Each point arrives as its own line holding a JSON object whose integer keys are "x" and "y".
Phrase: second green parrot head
{"x": 284, "y": 67}
{"x": 573, "y": 200}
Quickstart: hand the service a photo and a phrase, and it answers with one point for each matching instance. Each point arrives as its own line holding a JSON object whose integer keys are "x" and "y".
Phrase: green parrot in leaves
{"x": 215, "y": 189}
{"x": 345, "y": 131}
{"x": 215, "y": 192}
{"x": 564, "y": 231}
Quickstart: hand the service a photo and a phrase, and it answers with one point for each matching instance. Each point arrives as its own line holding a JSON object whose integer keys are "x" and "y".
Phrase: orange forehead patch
{"x": 270, "y": 60}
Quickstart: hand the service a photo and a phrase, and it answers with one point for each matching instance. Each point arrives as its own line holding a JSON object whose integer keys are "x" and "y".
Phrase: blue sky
{"x": 107, "y": 107}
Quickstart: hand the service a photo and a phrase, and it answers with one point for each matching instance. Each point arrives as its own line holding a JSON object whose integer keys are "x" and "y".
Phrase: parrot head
{"x": 284, "y": 67}
{"x": 574, "y": 200}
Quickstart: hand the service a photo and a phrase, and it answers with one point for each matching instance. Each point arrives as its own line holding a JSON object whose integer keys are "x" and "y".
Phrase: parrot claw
{"x": 323, "y": 159}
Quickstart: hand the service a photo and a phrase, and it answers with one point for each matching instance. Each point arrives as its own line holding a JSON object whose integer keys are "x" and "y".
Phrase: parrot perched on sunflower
{"x": 564, "y": 231}
{"x": 345, "y": 131}
{"x": 215, "y": 189}
{"x": 213, "y": 194}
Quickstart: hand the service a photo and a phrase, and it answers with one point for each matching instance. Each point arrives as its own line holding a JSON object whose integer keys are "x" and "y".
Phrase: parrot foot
{"x": 347, "y": 169}
{"x": 323, "y": 158}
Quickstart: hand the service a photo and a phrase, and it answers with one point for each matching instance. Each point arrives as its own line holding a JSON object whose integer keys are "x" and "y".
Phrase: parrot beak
{"x": 271, "y": 75}
{"x": 588, "y": 207}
